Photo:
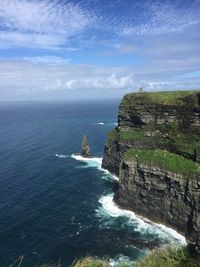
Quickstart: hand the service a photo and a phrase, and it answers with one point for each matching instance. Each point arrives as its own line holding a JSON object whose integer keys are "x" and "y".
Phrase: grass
{"x": 165, "y": 159}
{"x": 171, "y": 257}
{"x": 188, "y": 146}
{"x": 84, "y": 262}
{"x": 165, "y": 98}
{"x": 91, "y": 262}
{"x": 113, "y": 134}
{"x": 131, "y": 135}
{"x": 166, "y": 257}
{"x": 184, "y": 142}
{"x": 126, "y": 135}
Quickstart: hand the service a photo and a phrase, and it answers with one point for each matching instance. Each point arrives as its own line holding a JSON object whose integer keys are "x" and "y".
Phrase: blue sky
{"x": 62, "y": 49}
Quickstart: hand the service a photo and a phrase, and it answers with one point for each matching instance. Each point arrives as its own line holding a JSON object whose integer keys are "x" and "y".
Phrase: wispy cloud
{"x": 53, "y": 24}
{"x": 51, "y": 60}
{"x": 161, "y": 17}
{"x": 44, "y": 23}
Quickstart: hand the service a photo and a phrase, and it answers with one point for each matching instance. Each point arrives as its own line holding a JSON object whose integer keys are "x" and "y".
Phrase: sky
{"x": 71, "y": 49}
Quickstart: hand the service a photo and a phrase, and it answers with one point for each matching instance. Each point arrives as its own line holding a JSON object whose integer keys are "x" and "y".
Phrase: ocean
{"x": 56, "y": 206}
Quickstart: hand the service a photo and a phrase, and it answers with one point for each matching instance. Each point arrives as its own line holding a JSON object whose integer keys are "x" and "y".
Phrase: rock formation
{"x": 155, "y": 151}
{"x": 85, "y": 147}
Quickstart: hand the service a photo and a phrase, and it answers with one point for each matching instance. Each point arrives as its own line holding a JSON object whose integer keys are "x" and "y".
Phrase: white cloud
{"x": 52, "y": 24}
{"x": 111, "y": 82}
{"x": 43, "y": 16}
{"x": 159, "y": 17}
{"x": 17, "y": 39}
{"x": 171, "y": 85}
{"x": 42, "y": 23}
{"x": 27, "y": 79}
{"x": 51, "y": 60}
{"x": 23, "y": 75}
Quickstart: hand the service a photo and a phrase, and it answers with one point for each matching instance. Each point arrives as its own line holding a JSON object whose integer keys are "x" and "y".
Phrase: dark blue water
{"x": 49, "y": 205}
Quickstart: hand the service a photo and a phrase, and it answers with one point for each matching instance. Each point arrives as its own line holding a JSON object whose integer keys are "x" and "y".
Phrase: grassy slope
{"x": 126, "y": 135}
{"x": 171, "y": 257}
{"x": 131, "y": 135}
{"x": 167, "y": 257}
{"x": 165, "y": 159}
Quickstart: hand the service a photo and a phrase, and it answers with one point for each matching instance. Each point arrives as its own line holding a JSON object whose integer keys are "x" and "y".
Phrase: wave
{"x": 91, "y": 162}
{"x": 95, "y": 162}
{"x": 61, "y": 156}
{"x": 141, "y": 224}
{"x": 107, "y": 123}
{"x": 109, "y": 176}
{"x": 120, "y": 260}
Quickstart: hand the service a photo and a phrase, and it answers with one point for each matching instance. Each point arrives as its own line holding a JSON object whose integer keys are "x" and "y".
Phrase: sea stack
{"x": 85, "y": 147}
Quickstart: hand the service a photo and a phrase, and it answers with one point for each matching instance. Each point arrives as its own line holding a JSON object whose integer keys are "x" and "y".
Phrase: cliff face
{"x": 155, "y": 151}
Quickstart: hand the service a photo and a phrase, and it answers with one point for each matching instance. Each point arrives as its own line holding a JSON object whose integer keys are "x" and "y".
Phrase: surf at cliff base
{"x": 110, "y": 209}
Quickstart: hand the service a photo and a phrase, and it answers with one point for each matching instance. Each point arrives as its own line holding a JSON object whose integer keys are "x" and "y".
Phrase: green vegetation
{"x": 131, "y": 135}
{"x": 84, "y": 262}
{"x": 113, "y": 134}
{"x": 126, "y": 135}
{"x": 177, "y": 98}
{"x": 91, "y": 262}
{"x": 165, "y": 257}
{"x": 171, "y": 257}
{"x": 183, "y": 145}
{"x": 165, "y": 159}
{"x": 180, "y": 140}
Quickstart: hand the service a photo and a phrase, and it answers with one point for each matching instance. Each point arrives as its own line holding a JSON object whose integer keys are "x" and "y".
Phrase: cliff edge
{"x": 155, "y": 151}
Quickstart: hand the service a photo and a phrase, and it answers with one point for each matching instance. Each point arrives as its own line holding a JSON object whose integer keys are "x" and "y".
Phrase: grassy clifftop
{"x": 162, "y": 120}
{"x": 172, "y": 98}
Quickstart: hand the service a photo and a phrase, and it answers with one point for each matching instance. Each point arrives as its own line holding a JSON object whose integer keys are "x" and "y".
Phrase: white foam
{"x": 108, "y": 175}
{"x": 95, "y": 162}
{"x": 120, "y": 260}
{"x": 61, "y": 156}
{"x": 107, "y": 123}
{"x": 140, "y": 224}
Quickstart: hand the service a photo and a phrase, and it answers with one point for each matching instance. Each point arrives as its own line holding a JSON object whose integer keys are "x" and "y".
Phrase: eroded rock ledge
{"x": 155, "y": 151}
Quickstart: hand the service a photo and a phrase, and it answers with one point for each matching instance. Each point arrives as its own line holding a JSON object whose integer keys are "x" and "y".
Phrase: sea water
{"x": 56, "y": 206}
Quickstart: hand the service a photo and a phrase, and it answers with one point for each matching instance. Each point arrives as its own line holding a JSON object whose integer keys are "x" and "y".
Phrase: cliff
{"x": 155, "y": 151}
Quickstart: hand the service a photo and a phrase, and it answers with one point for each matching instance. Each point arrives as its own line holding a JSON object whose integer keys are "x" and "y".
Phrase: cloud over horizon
{"x": 97, "y": 46}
